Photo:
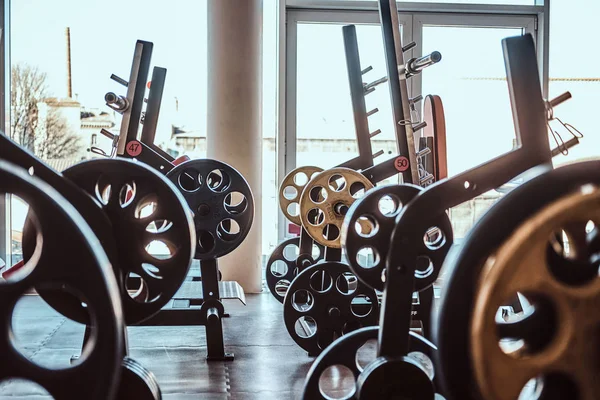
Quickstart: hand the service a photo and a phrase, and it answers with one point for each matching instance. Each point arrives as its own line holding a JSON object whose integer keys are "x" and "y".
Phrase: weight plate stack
{"x": 291, "y": 189}
{"x": 355, "y": 353}
{"x": 152, "y": 230}
{"x": 325, "y": 201}
{"x": 222, "y": 204}
{"x": 86, "y": 272}
{"x": 466, "y": 270}
{"x": 285, "y": 263}
{"x": 326, "y": 301}
{"x": 367, "y": 249}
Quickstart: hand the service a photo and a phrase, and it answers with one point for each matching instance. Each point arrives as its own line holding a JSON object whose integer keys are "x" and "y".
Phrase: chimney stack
{"x": 69, "y": 85}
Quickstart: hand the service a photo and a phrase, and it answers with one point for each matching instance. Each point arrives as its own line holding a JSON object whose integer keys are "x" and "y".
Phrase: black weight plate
{"x": 329, "y": 296}
{"x": 145, "y": 210}
{"x": 422, "y": 241}
{"x": 210, "y": 188}
{"x": 278, "y": 280}
{"x": 137, "y": 382}
{"x": 85, "y": 271}
{"x": 370, "y": 208}
{"x": 452, "y": 320}
{"x": 344, "y": 351}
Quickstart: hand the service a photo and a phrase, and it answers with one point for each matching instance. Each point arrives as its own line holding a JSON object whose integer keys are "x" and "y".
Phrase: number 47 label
{"x": 133, "y": 148}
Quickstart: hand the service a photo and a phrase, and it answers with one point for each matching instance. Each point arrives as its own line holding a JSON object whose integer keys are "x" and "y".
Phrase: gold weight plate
{"x": 520, "y": 266}
{"x": 324, "y": 200}
{"x": 291, "y": 189}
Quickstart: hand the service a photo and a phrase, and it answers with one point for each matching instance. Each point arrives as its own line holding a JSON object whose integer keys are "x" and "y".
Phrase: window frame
{"x": 5, "y": 221}
{"x": 533, "y": 19}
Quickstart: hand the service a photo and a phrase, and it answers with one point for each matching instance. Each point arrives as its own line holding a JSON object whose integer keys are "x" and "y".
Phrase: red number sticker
{"x": 134, "y": 148}
{"x": 401, "y": 164}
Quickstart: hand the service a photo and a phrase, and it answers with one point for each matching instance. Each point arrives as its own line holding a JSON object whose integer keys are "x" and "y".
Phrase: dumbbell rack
{"x": 198, "y": 301}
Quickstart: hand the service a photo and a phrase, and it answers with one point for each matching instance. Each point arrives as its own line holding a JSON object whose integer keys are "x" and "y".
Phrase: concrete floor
{"x": 268, "y": 364}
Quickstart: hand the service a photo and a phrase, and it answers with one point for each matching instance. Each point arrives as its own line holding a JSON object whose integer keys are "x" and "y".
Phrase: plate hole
{"x": 218, "y": 180}
{"x": 18, "y": 388}
{"x": 300, "y": 179}
{"x": 293, "y": 209}
{"x": 589, "y": 226}
{"x": 346, "y": 283}
{"x": 366, "y": 354}
{"x": 159, "y": 250}
{"x": 281, "y": 287}
{"x": 228, "y": 230}
{"x": 529, "y": 331}
{"x": 389, "y": 205}
{"x": 103, "y": 192}
{"x": 337, "y": 382}
{"x": 159, "y": 226}
{"x": 190, "y": 180}
{"x": 321, "y": 281}
{"x": 302, "y": 300}
{"x": 424, "y": 267}
{"x": 425, "y": 361}
{"x": 291, "y": 252}
{"x": 279, "y": 268}
{"x": 146, "y": 207}
{"x": 127, "y": 194}
{"x": 337, "y": 182}
{"x": 357, "y": 190}
{"x": 305, "y": 327}
{"x": 25, "y": 234}
{"x": 318, "y": 194}
{"x": 290, "y": 192}
{"x": 235, "y": 203}
{"x": 206, "y": 242}
{"x": 152, "y": 270}
{"x": 331, "y": 232}
{"x": 434, "y": 238}
{"x": 25, "y": 328}
{"x": 567, "y": 256}
{"x": 137, "y": 288}
{"x": 366, "y": 226}
{"x": 315, "y": 216}
{"x": 361, "y": 305}
{"x": 367, "y": 257}
{"x": 553, "y": 385}
{"x": 316, "y": 252}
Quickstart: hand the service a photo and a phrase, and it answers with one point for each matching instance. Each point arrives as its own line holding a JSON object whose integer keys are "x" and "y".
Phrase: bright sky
{"x": 103, "y": 34}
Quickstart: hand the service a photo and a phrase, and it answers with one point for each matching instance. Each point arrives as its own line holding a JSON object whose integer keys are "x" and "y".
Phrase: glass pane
{"x": 325, "y": 124}
{"x": 508, "y": 2}
{"x": 581, "y": 78}
{"x": 103, "y": 36}
{"x": 270, "y": 190}
{"x": 18, "y": 211}
{"x": 479, "y": 122}
{"x": 474, "y": 92}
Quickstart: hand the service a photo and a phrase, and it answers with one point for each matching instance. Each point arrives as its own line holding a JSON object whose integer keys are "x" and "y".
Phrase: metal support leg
{"x": 214, "y": 312}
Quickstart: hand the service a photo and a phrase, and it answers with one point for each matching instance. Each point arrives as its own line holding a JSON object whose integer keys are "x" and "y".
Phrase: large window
{"x": 325, "y": 133}
{"x": 102, "y": 37}
{"x": 574, "y": 34}
{"x": 470, "y": 79}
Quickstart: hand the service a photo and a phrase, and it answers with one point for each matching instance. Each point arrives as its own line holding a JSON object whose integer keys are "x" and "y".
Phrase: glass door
{"x": 471, "y": 81}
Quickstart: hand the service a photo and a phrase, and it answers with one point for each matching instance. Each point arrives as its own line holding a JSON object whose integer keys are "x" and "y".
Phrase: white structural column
{"x": 234, "y": 124}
